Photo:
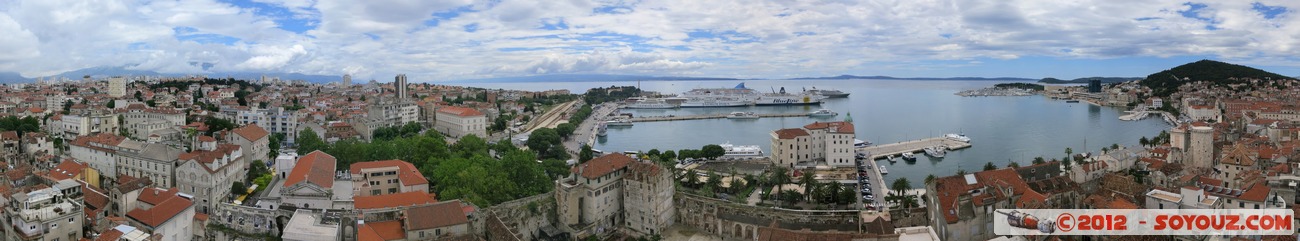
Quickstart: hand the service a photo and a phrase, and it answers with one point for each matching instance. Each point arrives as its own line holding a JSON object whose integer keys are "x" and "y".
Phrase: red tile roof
{"x": 380, "y": 231}
{"x": 602, "y": 165}
{"x": 154, "y": 196}
{"x": 835, "y": 127}
{"x": 315, "y": 167}
{"x": 438, "y": 215}
{"x": 251, "y": 132}
{"x": 393, "y": 200}
{"x": 207, "y": 157}
{"x": 67, "y": 169}
{"x": 101, "y": 138}
{"x": 790, "y": 133}
{"x": 460, "y": 111}
{"x": 406, "y": 172}
{"x": 169, "y": 207}
{"x": 1256, "y": 193}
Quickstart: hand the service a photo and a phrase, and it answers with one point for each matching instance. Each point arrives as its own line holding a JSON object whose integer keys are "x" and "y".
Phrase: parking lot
{"x": 871, "y": 185}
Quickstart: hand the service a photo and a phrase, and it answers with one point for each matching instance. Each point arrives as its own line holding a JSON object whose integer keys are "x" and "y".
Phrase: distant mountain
{"x": 911, "y": 78}
{"x": 1104, "y": 80}
{"x": 13, "y": 78}
{"x": 581, "y": 78}
{"x": 110, "y": 71}
{"x": 1167, "y": 82}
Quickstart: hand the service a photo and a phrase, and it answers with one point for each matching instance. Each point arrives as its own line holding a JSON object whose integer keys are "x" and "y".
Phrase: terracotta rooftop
{"x": 168, "y": 207}
{"x": 67, "y": 169}
{"x": 207, "y": 157}
{"x": 1256, "y": 193}
{"x": 101, "y": 138}
{"x": 315, "y": 167}
{"x": 406, "y": 172}
{"x": 251, "y": 132}
{"x": 438, "y": 215}
{"x": 602, "y": 165}
{"x": 460, "y": 111}
{"x": 380, "y": 231}
{"x": 393, "y": 200}
{"x": 834, "y": 127}
{"x": 790, "y": 133}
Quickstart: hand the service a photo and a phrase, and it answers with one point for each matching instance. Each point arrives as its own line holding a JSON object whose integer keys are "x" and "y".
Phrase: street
{"x": 586, "y": 131}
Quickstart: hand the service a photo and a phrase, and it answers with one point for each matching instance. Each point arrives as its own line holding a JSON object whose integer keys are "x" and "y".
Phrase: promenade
{"x": 896, "y": 149}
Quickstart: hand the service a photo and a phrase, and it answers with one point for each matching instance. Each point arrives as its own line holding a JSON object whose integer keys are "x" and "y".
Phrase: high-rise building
{"x": 347, "y": 80}
{"x": 1094, "y": 86}
{"x": 400, "y": 85}
{"x": 117, "y": 86}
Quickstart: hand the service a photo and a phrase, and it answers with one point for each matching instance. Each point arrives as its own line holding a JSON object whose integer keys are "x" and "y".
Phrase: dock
{"x": 913, "y": 146}
{"x": 702, "y": 117}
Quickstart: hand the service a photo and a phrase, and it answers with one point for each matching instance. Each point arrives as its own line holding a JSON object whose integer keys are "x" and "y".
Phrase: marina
{"x": 908, "y": 147}
{"x": 714, "y": 116}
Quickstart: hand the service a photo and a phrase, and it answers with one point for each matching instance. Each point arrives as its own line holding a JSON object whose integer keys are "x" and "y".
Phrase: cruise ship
{"x": 741, "y": 151}
{"x": 649, "y": 103}
{"x": 831, "y": 93}
{"x": 720, "y": 97}
{"x": 783, "y": 98}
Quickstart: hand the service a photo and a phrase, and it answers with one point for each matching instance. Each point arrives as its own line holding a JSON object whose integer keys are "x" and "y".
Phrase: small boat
{"x": 909, "y": 156}
{"x": 741, "y": 151}
{"x": 742, "y": 115}
{"x": 619, "y": 123}
{"x": 892, "y": 159}
{"x": 860, "y": 143}
{"x": 883, "y": 171}
{"x": 1072, "y": 101}
{"x": 823, "y": 113}
{"x": 600, "y": 129}
{"x": 936, "y": 151}
{"x": 958, "y": 137}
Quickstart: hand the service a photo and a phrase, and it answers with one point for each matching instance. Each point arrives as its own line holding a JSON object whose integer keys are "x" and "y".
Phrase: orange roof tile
{"x": 393, "y": 200}
{"x": 835, "y": 126}
{"x": 251, "y": 132}
{"x": 380, "y": 231}
{"x": 790, "y": 133}
{"x": 316, "y": 167}
{"x": 67, "y": 169}
{"x": 460, "y": 111}
{"x": 168, "y": 208}
{"x": 602, "y": 165}
{"x": 407, "y": 172}
{"x": 438, "y": 215}
{"x": 1256, "y": 193}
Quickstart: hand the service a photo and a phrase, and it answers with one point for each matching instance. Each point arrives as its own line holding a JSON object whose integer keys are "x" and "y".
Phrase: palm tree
{"x": 1068, "y": 152}
{"x": 1144, "y": 141}
{"x": 930, "y": 178}
{"x": 901, "y": 186}
{"x": 809, "y": 183}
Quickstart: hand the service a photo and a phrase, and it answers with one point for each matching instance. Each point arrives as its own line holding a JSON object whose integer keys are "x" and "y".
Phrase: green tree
{"x": 712, "y": 151}
{"x": 541, "y": 140}
{"x": 111, "y": 104}
{"x": 809, "y": 183}
{"x": 565, "y": 129}
{"x": 1114, "y": 146}
{"x": 900, "y": 186}
{"x": 714, "y": 182}
{"x": 470, "y": 145}
{"x": 930, "y": 178}
{"x": 257, "y": 169}
{"x": 653, "y": 153}
{"x": 1144, "y": 141}
{"x": 1039, "y": 160}
{"x": 238, "y": 188}
{"x": 308, "y": 142}
{"x": 586, "y": 154}
{"x": 989, "y": 166}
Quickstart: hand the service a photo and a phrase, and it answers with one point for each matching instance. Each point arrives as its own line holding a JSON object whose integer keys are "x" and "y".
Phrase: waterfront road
{"x": 877, "y": 184}
{"x": 586, "y": 132}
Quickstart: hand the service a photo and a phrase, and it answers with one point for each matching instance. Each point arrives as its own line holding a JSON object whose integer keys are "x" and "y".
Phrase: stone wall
{"x": 739, "y": 221}
{"x": 521, "y": 218}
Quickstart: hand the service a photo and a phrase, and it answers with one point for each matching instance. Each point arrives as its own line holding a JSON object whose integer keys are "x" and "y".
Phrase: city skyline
{"x": 457, "y": 40}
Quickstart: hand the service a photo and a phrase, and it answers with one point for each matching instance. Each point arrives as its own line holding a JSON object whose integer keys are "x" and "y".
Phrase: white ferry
{"x": 741, "y": 151}
{"x": 742, "y": 115}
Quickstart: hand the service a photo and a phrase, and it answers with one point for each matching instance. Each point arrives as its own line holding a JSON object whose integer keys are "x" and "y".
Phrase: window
{"x": 374, "y": 192}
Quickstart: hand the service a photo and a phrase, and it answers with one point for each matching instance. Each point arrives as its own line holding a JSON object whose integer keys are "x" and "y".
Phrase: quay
{"x": 913, "y": 146}
{"x": 702, "y": 117}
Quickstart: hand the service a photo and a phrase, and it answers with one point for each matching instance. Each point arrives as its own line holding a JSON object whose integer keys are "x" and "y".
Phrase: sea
{"x": 1003, "y": 129}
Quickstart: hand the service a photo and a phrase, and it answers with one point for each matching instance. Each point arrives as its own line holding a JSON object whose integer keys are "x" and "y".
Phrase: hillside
{"x": 1104, "y": 80}
{"x": 909, "y": 78}
{"x": 1167, "y": 82}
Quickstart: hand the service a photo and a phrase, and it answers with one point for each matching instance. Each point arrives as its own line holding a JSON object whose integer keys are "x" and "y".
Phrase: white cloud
{"x": 764, "y": 38}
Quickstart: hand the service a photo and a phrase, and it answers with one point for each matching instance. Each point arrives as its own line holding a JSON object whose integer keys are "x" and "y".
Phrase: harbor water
{"x": 1002, "y": 129}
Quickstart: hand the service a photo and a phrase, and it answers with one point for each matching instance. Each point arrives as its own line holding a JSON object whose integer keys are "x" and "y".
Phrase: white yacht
{"x": 741, "y": 151}
{"x": 823, "y": 113}
{"x": 883, "y": 171}
{"x": 600, "y": 129}
{"x": 958, "y": 137}
{"x": 742, "y": 115}
{"x": 618, "y": 122}
{"x": 909, "y": 156}
{"x": 936, "y": 151}
{"x": 831, "y": 93}
{"x": 860, "y": 143}
{"x": 650, "y": 103}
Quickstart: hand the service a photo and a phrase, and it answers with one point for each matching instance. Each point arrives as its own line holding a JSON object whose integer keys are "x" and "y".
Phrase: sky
{"x": 438, "y": 40}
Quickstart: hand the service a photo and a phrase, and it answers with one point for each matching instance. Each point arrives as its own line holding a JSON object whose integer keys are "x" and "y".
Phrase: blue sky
{"x": 436, "y": 40}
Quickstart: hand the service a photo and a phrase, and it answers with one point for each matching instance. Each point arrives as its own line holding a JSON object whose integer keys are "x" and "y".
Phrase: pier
{"x": 913, "y": 146}
{"x": 702, "y": 117}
